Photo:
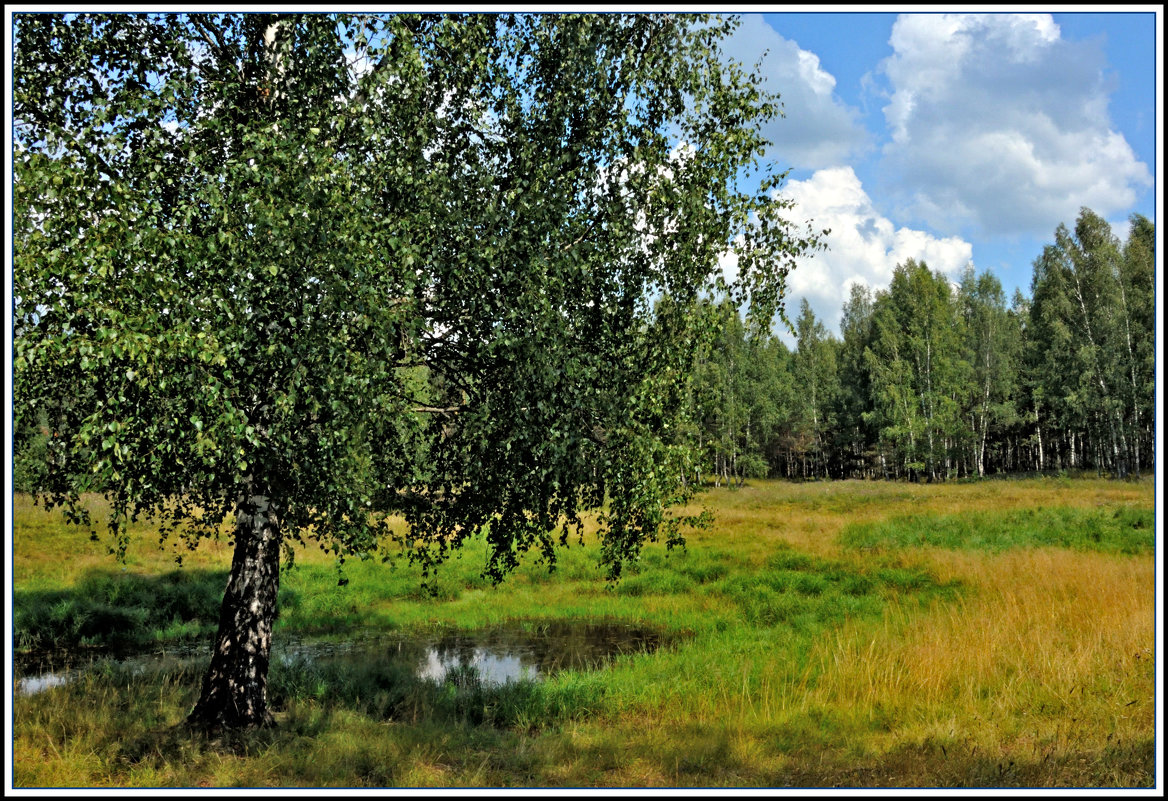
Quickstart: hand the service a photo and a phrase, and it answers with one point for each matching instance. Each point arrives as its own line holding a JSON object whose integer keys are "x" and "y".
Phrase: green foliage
{"x": 918, "y": 370}
{"x": 743, "y": 400}
{"x": 816, "y": 375}
{"x": 30, "y": 448}
{"x": 928, "y": 383}
{"x": 853, "y": 440}
{"x": 1089, "y": 340}
{"x": 1138, "y": 307}
{"x": 245, "y": 267}
{"x": 993, "y": 341}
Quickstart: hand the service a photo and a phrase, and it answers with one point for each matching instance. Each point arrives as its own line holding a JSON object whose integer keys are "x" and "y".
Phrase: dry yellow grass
{"x": 1043, "y": 629}
{"x": 1041, "y": 672}
{"x": 809, "y": 517}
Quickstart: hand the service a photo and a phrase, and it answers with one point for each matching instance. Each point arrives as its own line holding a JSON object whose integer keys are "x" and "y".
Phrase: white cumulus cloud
{"x": 863, "y": 247}
{"x": 998, "y": 122}
{"x": 819, "y": 129}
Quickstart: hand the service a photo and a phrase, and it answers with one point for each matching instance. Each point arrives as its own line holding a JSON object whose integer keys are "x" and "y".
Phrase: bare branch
{"x": 579, "y": 239}
{"x": 439, "y": 409}
{"x": 210, "y": 36}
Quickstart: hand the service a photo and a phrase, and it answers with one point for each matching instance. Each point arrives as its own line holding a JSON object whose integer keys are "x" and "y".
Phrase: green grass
{"x": 1125, "y": 529}
{"x": 800, "y": 654}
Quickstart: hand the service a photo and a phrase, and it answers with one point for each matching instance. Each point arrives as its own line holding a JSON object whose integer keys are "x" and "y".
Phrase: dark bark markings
{"x": 234, "y": 692}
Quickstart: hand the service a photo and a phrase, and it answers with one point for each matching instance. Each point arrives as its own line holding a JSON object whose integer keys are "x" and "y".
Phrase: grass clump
{"x": 811, "y": 593}
{"x": 108, "y": 610}
{"x": 1125, "y": 529}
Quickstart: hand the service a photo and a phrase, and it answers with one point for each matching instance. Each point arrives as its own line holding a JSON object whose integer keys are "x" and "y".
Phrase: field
{"x": 838, "y": 634}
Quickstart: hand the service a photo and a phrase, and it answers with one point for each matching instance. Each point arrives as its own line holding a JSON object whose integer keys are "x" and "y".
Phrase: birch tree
{"x": 992, "y": 345}
{"x": 917, "y": 368}
{"x": 815, "y": 373}
{"x": 290, "y": 273}
{"x": 1137, "y": 287}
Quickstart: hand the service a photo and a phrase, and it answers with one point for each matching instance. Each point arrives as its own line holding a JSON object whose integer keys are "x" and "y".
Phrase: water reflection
{"x": 489, "y": 667}
{"x": 510, "y": 653}
{"x": 45, "y": 673}
{"x": 36, "y": 684}
{"x": 489, "y": 657}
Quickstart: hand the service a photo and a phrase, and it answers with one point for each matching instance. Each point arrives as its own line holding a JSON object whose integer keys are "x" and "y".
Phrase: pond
{"x": 491, "y": 656}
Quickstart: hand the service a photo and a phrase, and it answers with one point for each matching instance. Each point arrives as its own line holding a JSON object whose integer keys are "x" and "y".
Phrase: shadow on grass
{"x": 112, "y": 613}
{"x": 701, "y": 755}
{"x": 336, "y": 722}
{"x": 384, "y": 730}
{"x": 109, "y": 611}
{"x": 1119, "y": 764}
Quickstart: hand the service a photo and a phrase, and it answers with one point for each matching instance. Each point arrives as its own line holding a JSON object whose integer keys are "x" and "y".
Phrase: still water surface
{"x": 491, "y": 657}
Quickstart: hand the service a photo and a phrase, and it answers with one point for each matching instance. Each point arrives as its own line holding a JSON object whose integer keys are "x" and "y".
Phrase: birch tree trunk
{"x": 234, "y": 692}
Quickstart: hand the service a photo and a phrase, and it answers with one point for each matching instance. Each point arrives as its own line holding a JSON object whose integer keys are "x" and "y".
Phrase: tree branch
{"x": 439, "y": 409}
{"x": 211, "y": 37}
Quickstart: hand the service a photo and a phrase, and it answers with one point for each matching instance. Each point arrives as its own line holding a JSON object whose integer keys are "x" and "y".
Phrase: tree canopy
{"x": 308, "y": 270}
{"x": 376, "y": 261}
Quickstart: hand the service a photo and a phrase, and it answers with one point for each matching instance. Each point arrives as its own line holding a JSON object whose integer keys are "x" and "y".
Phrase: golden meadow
{"x": 858, "y": 634}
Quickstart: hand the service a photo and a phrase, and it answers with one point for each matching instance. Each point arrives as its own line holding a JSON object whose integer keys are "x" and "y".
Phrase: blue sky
{"x": 955, "y": 138}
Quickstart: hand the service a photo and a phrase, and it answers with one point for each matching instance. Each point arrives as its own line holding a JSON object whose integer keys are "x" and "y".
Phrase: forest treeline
{"x": 928, "y": 380}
